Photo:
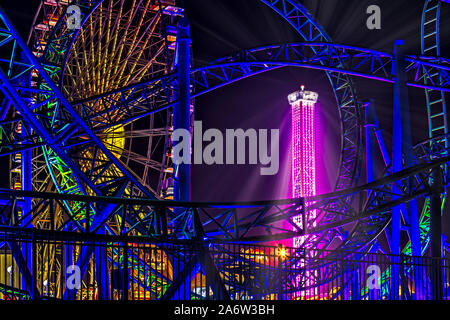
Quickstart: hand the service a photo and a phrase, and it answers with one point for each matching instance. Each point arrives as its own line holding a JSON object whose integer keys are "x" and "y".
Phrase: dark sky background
{"x": 221, "y": 27}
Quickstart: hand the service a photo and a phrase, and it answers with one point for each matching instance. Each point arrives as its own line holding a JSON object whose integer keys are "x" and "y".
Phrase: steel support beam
{"x": 28, "y": 276}
{"x": 180, "y": 288}
{"x": 369, "y": 131}
{"x": 212, "y": 274}
{"x": 402, "y": 151}
{"x": 56, "y": 142}
{"x": 436, "y": 214}
{"x": 26, "y": 161}
{"x": 182, "y": 113}
{"x": 102, "y": 273}
{"x": 436, "y": 234}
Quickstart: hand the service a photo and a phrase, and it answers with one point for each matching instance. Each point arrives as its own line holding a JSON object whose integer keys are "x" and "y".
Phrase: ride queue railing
{"x": 43, "y": 265}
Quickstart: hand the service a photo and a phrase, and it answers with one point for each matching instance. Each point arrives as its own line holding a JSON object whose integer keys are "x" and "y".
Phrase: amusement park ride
{"x": 87, "y": 116}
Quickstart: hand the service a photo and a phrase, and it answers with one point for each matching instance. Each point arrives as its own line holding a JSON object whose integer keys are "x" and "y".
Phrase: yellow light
{"x": 115, "y": 139}
{"x": 282, "y": 253}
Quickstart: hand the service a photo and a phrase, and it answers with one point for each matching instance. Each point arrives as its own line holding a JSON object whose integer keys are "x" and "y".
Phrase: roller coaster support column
{"x": 436, "y": 233}
{"x": 402, "y": 150}
{"x": 182, "y": 172}
{"x": 373, "y": 130}
{"x": 182, "y": 114}
{"x": 435, "y": 214}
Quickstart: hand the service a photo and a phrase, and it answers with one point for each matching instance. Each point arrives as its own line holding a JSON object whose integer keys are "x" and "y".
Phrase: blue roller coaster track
{"x": 96, "y": 189}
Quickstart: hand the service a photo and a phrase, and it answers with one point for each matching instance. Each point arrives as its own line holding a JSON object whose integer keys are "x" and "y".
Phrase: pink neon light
{"x": 304, "y": 165}
{"x": 303, "y": 154}
{"x": 303, "y": 160}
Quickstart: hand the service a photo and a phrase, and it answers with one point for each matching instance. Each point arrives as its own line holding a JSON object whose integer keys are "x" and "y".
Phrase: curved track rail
{"x": 69, "y": 127}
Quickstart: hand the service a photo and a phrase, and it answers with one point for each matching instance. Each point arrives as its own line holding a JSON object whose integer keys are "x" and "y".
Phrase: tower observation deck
{"x": 303, "y": 144}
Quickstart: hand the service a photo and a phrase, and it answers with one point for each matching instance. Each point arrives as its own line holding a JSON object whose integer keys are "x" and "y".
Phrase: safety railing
{"x": 39, "y": 264}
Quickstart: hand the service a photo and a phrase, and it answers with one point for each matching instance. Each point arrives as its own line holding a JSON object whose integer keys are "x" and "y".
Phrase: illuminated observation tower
{"x": 303, "y": 147}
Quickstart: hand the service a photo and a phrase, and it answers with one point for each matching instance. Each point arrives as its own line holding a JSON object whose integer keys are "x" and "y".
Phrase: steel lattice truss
{"x": 56, "y": 127}
{"x": 436, "y": 105}
{"x": 247, "y": 222}
{"x": 56, "y": 122}
{"x": 250, "y": 222}
{"x": 361, "y": 62}
{"x": 146, "y": 98}
{"x": 64, "y": 126}
{"x": 42, "y": 117}
{"x": 72, "y": 136}
{"x": 346, "y": 96}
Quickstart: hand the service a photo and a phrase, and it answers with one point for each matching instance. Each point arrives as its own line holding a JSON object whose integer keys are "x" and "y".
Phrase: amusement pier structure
{"x": 97, "y": 210}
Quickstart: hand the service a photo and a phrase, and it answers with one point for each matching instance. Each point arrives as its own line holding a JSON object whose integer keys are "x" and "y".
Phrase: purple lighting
{"x": 303, "y": 148}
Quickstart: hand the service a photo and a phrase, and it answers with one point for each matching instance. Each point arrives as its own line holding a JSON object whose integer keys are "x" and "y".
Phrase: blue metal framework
{"x": 61, "y": 52}
{"x": 249, "y": 222}
{"x": 350, "y": 219}
{"x": 367, "y": 58}
{"x": 346, "y": 96}
{"x": 248, "y": 272}
{"x": 436, "y": 106}
{"x": 366, "y": 63}
{"x": 311, "y": 31}
{"x": 253, "y": 221}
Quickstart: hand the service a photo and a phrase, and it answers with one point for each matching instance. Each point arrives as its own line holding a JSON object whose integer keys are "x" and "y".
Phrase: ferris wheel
{"x": 120, "y": 43}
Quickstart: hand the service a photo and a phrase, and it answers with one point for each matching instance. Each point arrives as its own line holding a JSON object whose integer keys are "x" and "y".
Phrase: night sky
{"x": 221, "y": 27}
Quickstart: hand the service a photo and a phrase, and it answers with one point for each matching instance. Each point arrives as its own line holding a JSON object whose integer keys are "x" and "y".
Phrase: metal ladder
{"x": 436, "y": 106}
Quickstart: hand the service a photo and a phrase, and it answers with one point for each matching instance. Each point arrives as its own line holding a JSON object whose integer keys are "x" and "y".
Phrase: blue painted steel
{"x": 430, "y": 28}
{"x": 402, "y": 152}
{"x": 104, "y": 214}
{"x": 310, "y": 30}
{"x": 86, "y": 12}
{"x": 401, "y": 126}
{"x": 435, "y": 214}
{"x": 102, "y": 273}
{"x": 346, "y": 48}
{"x": 25, "y": 271}
{"x": 436, "y": 233}
{"x": 185, "y": 269}
{"x": 182, "y": 113}
{"x": 84, "y": 256}
{"x": 52, "y": 141}
{"x": 86, "y": 253}
{"x": 369, "y": 128}
{"x": 436, "y": 101}
{"x": 365, "y": 63}
{"x": 397, "y": 150}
